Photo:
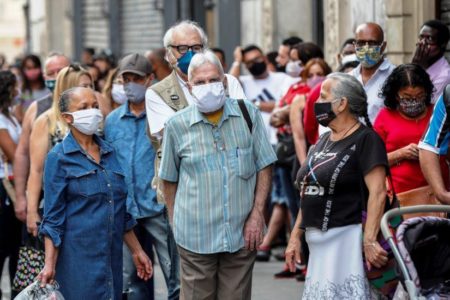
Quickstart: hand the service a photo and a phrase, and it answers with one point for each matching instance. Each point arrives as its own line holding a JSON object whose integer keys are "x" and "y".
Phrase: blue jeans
{"x": 292, "y": 195}
{"x": 162, "y": 238}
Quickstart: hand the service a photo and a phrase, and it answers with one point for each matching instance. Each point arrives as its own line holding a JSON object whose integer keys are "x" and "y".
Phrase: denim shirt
{"x": 85, "y": 217}
{"x": 127, "y": 134}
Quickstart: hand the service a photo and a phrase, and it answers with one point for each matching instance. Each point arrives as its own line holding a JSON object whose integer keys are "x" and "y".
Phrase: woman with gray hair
{"x": 346, "y": 168}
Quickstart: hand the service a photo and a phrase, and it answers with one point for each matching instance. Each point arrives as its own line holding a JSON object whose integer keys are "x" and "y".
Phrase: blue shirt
{"x": 437, "y": 135}
{"x": 215, "y": 167}
{"x": 85, "y": 217}
{"x": 127, "y": 134}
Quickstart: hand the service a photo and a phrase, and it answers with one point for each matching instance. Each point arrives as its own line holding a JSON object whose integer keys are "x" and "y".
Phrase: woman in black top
{"x": 346, "y": 167}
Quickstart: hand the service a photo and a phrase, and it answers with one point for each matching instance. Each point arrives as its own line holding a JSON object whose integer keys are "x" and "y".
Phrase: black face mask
{"x": 258, "y": 68}
{"x": 280, "y": 68}
{"x": 324, "y": 113}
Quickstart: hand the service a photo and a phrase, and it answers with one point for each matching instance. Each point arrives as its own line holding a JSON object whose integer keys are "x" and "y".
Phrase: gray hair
{"x": 183, "y": 25}
{"x": 347, "y": 86}
{"x": 54, "y": 54}
{"x": 66, "y": 98}
{"x": 205, "y": 57}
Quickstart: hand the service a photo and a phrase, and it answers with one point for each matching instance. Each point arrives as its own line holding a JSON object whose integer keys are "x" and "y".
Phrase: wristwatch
{"x": 257, "y": 103}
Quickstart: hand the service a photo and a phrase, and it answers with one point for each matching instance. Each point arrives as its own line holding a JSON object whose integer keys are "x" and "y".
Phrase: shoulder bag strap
{"x": 245, "y": 114}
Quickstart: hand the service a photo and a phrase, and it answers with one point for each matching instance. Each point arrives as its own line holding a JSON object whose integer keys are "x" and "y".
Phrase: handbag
{"x": 386, "y": 278}
{"x": 285, "y": 150}
{"x": 30, "y": 263}
{"x": 420, "y": 196}
{"x": 7, "y": 183}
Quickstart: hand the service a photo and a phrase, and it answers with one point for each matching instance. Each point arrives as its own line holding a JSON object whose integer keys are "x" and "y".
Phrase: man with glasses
{"x": 430, "y": 50}
{"x": 374, "y": 68}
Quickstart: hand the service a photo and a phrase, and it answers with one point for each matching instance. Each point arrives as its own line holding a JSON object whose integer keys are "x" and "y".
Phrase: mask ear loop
{"x": 169, "y": 52}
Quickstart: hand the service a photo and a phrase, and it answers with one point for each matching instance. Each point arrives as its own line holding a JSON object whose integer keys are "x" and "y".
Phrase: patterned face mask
{"x": 369, "y": 56}
{"x": 412, "y": 107}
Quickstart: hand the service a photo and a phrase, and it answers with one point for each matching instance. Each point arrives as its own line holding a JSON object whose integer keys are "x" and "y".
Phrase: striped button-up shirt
{"x": 215, "y": 168}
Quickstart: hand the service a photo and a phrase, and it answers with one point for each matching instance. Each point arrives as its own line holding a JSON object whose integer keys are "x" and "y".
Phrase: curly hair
{"x": 7, "y": 85}
{"x": 404, "y": 76}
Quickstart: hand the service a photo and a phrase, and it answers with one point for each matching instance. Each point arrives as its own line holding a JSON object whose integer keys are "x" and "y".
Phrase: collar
{"x": 441, "y": 62}
{"x": 124, "y": 111}
{"x": 229, "y": 110}
{"x": 385, "y": 65}
{"x": 70, "y": 145}
{"x": 181, "y": 81}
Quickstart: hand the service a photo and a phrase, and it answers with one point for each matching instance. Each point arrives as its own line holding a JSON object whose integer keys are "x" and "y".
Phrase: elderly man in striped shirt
{"x": 216, "y": 172}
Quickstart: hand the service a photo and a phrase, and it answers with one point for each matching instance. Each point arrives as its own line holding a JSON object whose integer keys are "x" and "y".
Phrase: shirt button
{"x": 108, "y": 185}
{"x": 110, "y": 201}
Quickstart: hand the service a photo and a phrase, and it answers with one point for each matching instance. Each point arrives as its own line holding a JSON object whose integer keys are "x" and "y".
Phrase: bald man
{"x": 53, "y": 64}
{"x": 161, "y": 67}
{"x": 374, "y": 68}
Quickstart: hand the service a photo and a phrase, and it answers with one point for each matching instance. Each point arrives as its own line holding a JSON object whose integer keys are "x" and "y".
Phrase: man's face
{"x": 369, "y": 36}
{"x": 283, "y": 55}
{"x": 206, "y": 73}
{"x": 253, "y": 57}
{"x": 131, "y": 77}
{"x": 54, "y": 65}
{"x": 429, "y": 36}
{"x": 182, "y": 38}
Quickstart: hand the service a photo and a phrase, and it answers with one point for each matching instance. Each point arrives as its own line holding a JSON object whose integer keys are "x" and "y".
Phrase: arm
{"x": 254, "y": 225}
{"x": 141, "y": 260}
{"x": 7, "y": 145}
{"x": 293, "y": 249}
{"x": 376, "y": 184}
{"x": 235, "y": 69}
{"x": 104, "y": 104}
{"x": 408, "y": 152}
{"x": 47, "y": 275}
{"x": 280, "y": 116}
{"x": 22, "y": 163}
{"x": 296, "y": 119}
{"x": 431, "y": 169}
{"x": 169, "y": 191}
{"x": 39, "y": 146}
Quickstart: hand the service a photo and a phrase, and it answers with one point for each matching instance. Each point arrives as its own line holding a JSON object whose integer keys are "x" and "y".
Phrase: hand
{"x": 238, "y": 54}
{"x": 275, "y": 120}
{"x": 253, "y": 230}
{"x": 410, "y": 152}
{"x": 421, "y": 54}
{"x": 143, "y": 265}
{"x": 20, "y": 208}
{"x": 293, "y": 252}
{"x": 375, "y": 255}
{"x": 47, "y": 275}
{"x": 32, "y": 219}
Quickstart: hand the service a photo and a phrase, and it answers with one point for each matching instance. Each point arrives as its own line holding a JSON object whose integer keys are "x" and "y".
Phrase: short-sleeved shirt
{"x": 158, "y": 112}
{"x": 332, "y": 179}
{"x": 216, "y": 169}
{"x": 440, "y": 76}
{"x": 13, "y": 127}
{"x": 269, "y": 89}
{"x": 373, "y": 87}
{"x": 397, "y": 132}
{"x": 437, "y": 135}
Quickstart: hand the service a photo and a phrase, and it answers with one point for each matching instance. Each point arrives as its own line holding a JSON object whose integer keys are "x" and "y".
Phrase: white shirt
{"x": 271, "y": 88}
{"x": 373, "y": 87}
{"x": 14, "y": 130}
{"x": 158, "y": 112}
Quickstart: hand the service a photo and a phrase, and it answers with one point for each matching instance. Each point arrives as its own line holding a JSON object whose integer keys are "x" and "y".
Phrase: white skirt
{"x": 335, "y": 266}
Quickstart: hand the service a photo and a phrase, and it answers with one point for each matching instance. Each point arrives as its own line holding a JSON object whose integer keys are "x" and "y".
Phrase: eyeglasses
{"x": 361, "y": 43}
{"x": 182, "y": 49}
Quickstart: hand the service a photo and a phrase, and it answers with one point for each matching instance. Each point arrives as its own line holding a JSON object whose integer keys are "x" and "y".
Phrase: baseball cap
{"x": 135, "y": 63}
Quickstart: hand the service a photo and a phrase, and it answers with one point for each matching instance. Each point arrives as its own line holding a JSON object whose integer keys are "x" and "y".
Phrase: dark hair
{"x": 350, "y": 64}
{"x": 271, "y": 56}
{"x": 443, "y": 34}
{"x": 219, "y": 51}
{"x": 403, "y": 76}
{"x": 89, "y": 50}
{"x": 26, "y": 84}
{"x": 7, "y": 83}
{"x": 308, "y": 50}
{"x": 251, "y": 48}
{"x": 291, "y": 41}
{"x": 348, "y": 41}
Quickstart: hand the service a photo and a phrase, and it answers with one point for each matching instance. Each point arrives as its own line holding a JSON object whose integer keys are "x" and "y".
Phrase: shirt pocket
{"x": 87, "y": 183}
{"x": 245, "y": 163}
{"x": 118, "y": 183}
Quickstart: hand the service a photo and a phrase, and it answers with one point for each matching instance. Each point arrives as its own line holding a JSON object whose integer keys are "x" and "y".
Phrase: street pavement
{"x": 265, "y": 287}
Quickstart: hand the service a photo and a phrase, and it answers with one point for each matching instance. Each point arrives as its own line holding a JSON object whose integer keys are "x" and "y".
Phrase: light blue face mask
{"x": 184, "y": 61}
{"x": 135, "y": 92}
{"x": 50, "y": 84}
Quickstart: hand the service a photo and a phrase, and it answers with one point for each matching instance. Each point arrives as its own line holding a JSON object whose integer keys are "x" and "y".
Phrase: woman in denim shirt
{"x": 85, "y": 220}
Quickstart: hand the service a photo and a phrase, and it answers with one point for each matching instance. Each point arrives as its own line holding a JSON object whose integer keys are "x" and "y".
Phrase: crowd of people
{"x": 213, "y": 164}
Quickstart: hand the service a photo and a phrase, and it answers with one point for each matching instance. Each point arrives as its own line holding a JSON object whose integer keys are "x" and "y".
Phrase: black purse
{"x": 285, "y": 150}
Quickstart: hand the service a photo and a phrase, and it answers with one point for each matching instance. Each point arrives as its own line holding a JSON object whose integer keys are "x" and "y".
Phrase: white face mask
{"x": 349, "y": 58}
{"x": 293, "y": 68}
{"x": 118, "y": 94}
{"x": 87, "y": 121}
{"x": 209, "y": 97}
